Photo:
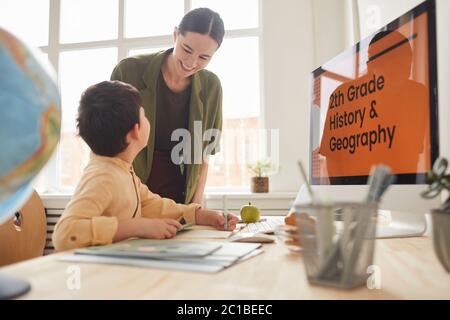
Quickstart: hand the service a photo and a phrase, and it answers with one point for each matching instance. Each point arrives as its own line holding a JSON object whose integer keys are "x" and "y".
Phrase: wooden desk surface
{"x": 409, "y": 270}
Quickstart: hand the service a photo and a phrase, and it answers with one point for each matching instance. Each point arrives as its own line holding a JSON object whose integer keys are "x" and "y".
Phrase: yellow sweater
{"x": 109, "y": 191}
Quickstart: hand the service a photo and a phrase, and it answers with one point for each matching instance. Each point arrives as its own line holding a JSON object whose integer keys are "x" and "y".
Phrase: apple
{"x": 250, "y": 213}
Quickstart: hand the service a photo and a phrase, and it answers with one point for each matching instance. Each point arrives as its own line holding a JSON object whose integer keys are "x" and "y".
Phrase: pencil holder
{"x": 441, "y": 236}
{"x": 337, "y": 242}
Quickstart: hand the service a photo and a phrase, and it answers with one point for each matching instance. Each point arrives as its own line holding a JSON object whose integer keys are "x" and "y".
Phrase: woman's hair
{"x": 203, "y": 21}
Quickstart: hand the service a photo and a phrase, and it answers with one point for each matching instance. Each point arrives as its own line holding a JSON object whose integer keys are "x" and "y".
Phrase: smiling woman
{"x": 178, "y": 94}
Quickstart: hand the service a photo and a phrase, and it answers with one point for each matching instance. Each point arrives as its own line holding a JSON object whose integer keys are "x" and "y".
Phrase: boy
{"x": 110, "y": 203}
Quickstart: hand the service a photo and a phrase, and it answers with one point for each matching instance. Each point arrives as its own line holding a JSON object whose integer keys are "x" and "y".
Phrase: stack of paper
{"x": 157, "y": 249}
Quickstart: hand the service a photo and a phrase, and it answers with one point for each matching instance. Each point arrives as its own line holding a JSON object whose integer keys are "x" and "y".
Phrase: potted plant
{"x": 439, "y": 181}
{"x": 260, "y": 180}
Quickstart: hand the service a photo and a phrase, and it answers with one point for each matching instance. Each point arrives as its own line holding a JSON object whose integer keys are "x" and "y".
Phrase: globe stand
{"x": 11, "y": 288}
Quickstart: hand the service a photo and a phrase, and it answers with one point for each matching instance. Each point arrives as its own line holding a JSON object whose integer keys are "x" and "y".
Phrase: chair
{"x": 23, "y": 236}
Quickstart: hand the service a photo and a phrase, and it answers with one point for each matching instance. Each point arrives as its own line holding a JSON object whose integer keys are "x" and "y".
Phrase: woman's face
{"x": 192, "y": 52}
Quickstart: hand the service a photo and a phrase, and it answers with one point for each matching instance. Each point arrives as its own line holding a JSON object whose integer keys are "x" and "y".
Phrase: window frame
{"x": 123, "y": 45}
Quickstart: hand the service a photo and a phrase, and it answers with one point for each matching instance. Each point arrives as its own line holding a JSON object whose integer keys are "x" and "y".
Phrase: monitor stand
{"x": 11, "y": 288}
{"x": 402, "y": 225}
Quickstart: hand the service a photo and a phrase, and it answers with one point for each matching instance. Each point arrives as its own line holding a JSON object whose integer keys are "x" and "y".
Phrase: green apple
{"x": 250, "y": 213}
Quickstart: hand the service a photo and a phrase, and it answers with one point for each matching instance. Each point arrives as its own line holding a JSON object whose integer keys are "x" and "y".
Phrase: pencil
{"x": 225, "y": 216}
{"x": 225, "y": 213}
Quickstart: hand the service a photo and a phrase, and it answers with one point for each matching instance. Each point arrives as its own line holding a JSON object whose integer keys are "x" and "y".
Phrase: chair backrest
{"x": 23, "y": 236}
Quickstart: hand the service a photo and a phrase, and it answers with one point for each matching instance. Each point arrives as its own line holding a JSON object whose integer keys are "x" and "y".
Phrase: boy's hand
{"x": 158, "y": 228}
{"x": 215, "y": 219}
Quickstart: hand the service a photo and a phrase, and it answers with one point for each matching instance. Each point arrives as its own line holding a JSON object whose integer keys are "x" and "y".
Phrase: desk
{"x": 409, "y": 270}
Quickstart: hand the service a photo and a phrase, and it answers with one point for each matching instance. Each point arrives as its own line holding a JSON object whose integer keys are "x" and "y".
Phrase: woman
{"x": 178, "y": 93}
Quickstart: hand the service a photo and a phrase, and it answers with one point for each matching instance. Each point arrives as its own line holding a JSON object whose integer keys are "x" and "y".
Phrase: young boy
{"x": 110, "y": 203}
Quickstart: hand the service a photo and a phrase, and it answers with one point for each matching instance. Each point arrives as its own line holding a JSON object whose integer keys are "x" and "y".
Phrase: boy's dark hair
{"x": 203, "y": 21}
{"x": 108, "y": 111}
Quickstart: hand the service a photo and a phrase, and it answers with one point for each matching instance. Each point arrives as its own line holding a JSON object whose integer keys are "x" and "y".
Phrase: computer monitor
{"x": 376, "y": 103}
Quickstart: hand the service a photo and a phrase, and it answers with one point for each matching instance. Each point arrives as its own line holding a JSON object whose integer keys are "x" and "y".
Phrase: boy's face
{"x": 144, "y": 127}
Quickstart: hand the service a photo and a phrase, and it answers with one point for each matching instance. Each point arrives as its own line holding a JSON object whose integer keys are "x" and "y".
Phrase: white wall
{"x": 288, "y": 55}
{"x": 291, "y": 50}
{"x": 298, "y": 36}
{"x": 376, "y": 13}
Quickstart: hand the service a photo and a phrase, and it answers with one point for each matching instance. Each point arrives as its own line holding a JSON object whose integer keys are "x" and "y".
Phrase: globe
{"x": 30, "y": 121}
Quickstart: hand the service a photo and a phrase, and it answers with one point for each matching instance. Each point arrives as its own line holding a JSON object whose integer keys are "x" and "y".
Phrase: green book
{"x": 152, "y": 249}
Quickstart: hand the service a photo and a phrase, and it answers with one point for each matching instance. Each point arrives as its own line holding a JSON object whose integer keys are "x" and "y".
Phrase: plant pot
{"x": 260, "y": 184}
{"x": 441, "y": 236}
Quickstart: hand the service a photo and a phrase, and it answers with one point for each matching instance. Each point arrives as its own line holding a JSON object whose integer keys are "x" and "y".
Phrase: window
{"x": 245, "y": 17}
{"x": 84, "y": 51}
{"x": 80, "y": 20}
{"x": 146, "y": 18}
{"x": 30, "y": 25}
{"x": 91, "y": 66}
{"x": 241, "y": 111}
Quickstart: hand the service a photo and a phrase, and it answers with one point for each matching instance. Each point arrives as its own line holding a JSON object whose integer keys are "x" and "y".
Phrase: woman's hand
{"x": 215, "y": 219}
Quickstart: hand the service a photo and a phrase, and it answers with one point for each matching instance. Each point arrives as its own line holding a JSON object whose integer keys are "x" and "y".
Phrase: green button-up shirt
{"x": 205, "y": 106}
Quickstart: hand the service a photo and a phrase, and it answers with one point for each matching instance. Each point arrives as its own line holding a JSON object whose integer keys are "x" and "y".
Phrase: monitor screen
{"x": 376, "y": 103}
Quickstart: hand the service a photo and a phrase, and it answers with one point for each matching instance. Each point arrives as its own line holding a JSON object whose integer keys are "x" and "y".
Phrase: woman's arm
{"x": 198, "y": 195}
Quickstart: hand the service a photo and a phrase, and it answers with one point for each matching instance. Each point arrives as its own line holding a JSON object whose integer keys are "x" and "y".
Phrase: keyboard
{"x": 267, "y": 226}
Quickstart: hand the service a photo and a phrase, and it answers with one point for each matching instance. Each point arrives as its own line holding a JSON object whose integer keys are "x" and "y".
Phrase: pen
{"x": 225, "y": 213}
{"x": 225, "y": 216}
{"x": 260, "y": 220}
{"x": 305, "y": 178}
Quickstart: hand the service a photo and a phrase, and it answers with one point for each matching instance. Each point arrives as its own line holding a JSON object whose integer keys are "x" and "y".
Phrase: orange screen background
{"x": 401, "y": 106}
